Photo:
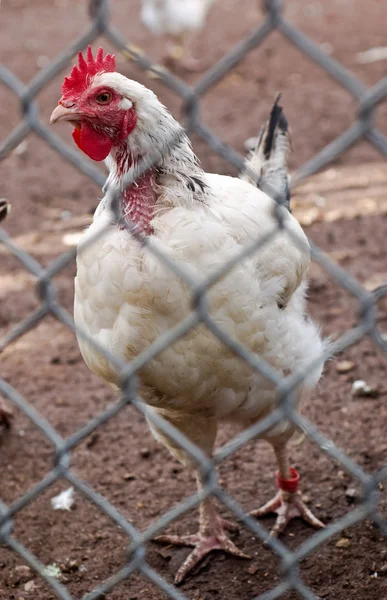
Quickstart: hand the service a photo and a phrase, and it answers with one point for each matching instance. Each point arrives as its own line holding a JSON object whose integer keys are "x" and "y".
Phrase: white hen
{"x": 125, "y": 297}
{"x": 178, "y": 20}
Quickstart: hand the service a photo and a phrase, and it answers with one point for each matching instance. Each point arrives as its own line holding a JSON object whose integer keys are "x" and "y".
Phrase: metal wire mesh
{"x": 362, "y": 127}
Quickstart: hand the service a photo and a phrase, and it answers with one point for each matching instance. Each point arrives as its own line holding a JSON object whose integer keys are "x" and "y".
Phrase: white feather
{"x": 174, "y": 17}
{"x": 64, "y": 500}
{"x": 125, "y": 297}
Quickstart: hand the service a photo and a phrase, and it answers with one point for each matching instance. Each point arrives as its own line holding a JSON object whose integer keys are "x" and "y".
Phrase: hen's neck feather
{"x": 177, "y": 176}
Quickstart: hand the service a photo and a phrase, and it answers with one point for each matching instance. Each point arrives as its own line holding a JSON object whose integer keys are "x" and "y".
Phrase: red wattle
{"x": 77, "y": 137}
{"x": 95, "y": 144}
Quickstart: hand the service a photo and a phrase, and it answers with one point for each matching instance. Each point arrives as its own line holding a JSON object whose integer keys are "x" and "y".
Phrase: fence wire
{"x": 362, "y": 127}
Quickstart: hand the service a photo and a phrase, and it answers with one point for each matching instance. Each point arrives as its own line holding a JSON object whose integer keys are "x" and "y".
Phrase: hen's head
{"x": 106, "y": 108}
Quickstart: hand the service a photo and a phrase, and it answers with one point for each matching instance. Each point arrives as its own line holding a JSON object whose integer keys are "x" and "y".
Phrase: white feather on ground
{"x": 64, "y": 500}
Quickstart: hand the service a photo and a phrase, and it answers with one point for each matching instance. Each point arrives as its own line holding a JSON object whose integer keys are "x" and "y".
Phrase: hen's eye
{"x": 103, "y": 98}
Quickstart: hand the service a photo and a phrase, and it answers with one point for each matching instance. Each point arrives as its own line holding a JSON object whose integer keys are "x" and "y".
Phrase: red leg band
{"x": 289, "y": 485}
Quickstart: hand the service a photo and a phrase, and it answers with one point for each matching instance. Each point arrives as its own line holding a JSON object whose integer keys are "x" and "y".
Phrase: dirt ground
{"x": 121, "y": 460}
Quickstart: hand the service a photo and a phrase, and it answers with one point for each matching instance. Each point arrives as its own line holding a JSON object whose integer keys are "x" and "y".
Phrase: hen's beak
{"x": 62, "y": 113}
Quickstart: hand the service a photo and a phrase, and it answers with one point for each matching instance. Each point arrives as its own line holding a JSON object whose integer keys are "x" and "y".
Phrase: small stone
{"x": 362, "y": 389}
{"x": 29, "y": 586}
{"x": 140, "y": 505}
{"x": 65, "y": 215}
{"x": 23, "y": 570}
{"x": 52, "y": 571}
{"x": 69, "y": 566}
{"x": 165, "y": 551}
{"x": 343, "y": 543}
{"x": 145, "y": 453}
{"x": 198, "y": 596}
{"x": 21, "y": 148}
{"x": 129, "y": 476}
{"x": 352, "y": 494}
{"x": 21, "y": 574}
{"x": 344, "y": 366}
{"x": 253, "y": 568}
{"x": 331, "y": 174}
{"x": 305, "y": 498}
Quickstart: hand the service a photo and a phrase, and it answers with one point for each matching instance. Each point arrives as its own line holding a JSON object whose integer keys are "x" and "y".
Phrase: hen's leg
{"x": 287, "y": 503}
{"x": 6, "y": 415}
{"x": 212, "y": 534}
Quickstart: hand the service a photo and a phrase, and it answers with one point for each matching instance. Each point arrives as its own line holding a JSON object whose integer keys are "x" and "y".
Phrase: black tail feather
{"x": 268, "y": 159}
{"x": 276, "y": 119}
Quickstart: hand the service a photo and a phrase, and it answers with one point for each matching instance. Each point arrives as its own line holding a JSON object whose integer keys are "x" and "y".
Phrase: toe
{"x": 178, "y": 540}
{"x": 270, "y": 507}
{"x": 229, "y": 525}
{"x": 228, "y": 546}
{"x": 287, "y": 509}
{"x": 308, "y": 516}
{"x": 204, "y": 547}
{"x": 190, "y": 562}
{"x": 280, "y": 524}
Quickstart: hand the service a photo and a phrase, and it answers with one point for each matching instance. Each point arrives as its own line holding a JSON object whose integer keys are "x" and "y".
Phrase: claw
{"x": 287, "y": 506}
{"x": 203, "y": 543}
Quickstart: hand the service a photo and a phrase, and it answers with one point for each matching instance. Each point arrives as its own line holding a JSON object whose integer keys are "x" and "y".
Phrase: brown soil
{"x": 121, "y": 460}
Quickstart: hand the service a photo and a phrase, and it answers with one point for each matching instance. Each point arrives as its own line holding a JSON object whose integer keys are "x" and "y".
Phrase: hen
{"x": 125, "y": 297}
{"x": 178, "y": 20}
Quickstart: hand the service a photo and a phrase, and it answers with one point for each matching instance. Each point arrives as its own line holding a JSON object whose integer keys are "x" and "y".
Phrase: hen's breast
{"x": 126, "y": 298}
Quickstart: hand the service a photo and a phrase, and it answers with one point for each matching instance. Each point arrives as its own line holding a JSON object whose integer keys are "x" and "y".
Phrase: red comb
{"x": 80, "y": 75}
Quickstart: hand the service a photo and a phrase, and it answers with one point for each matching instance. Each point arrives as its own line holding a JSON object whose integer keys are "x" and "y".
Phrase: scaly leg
{"x": 211, "y": 536}
{"x": 287, "y": 503}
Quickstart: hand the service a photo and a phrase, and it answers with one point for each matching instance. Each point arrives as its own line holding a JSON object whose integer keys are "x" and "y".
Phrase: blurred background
{"x": 344, "y": 209}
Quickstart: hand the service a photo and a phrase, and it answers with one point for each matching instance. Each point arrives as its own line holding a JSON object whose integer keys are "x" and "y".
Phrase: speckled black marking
{"x": 203, "y": 186}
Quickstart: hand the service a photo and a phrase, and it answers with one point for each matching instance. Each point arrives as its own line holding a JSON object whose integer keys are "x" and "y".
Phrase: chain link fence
{"x": 362, "y": 127}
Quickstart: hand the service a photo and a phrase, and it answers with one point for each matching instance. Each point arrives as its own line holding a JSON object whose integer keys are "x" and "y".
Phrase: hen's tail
{"x": 266, "y": 164}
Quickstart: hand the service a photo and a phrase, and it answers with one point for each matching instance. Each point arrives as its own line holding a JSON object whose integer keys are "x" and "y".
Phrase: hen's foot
{"x": 287, "y": 504}
{"x": 6, "y": 415}
{"x": 211, "y": 536}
